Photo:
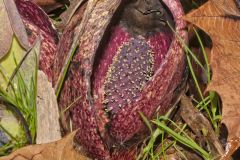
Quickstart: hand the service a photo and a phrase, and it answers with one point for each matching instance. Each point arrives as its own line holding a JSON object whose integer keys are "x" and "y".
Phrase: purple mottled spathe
{"x": 38, "y": 24}
{"x": 131, "y": 74}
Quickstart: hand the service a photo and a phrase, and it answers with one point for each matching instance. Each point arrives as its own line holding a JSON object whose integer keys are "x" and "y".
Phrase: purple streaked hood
{"x": 128, "y": 74}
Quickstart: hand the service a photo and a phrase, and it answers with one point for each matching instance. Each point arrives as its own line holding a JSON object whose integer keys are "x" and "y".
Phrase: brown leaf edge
{"x": 6, "y": 32}
{"x": 192, "y": 116}
{"x": 221, "y": 20}
{"x": 60, "y": 150}
{"x": 17, "y": 23}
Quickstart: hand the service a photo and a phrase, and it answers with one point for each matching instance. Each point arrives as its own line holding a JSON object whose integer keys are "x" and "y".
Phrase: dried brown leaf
{"x": 17, "y": 23}
{"x": 59, "y": 150}
{"x": 6, "y": 32}
{"x": 48, "y": 127}
{"x": 222, "y": 23}
{"x": 192, "y": 116}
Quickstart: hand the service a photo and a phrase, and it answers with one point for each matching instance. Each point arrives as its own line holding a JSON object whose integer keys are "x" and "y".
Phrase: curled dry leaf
{"x": 221, "y": 20}
{"x": 48, "y": 127}
{"x": 11, "y": 24}
{"x": 6, "y": 32}
{"x": 59, "y": 150}
{"x": 17, "y": 23}
{"x": 192, "y": 116}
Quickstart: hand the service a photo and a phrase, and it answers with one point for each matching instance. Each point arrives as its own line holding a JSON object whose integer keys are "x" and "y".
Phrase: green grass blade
{"x": 185, "y": 141}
